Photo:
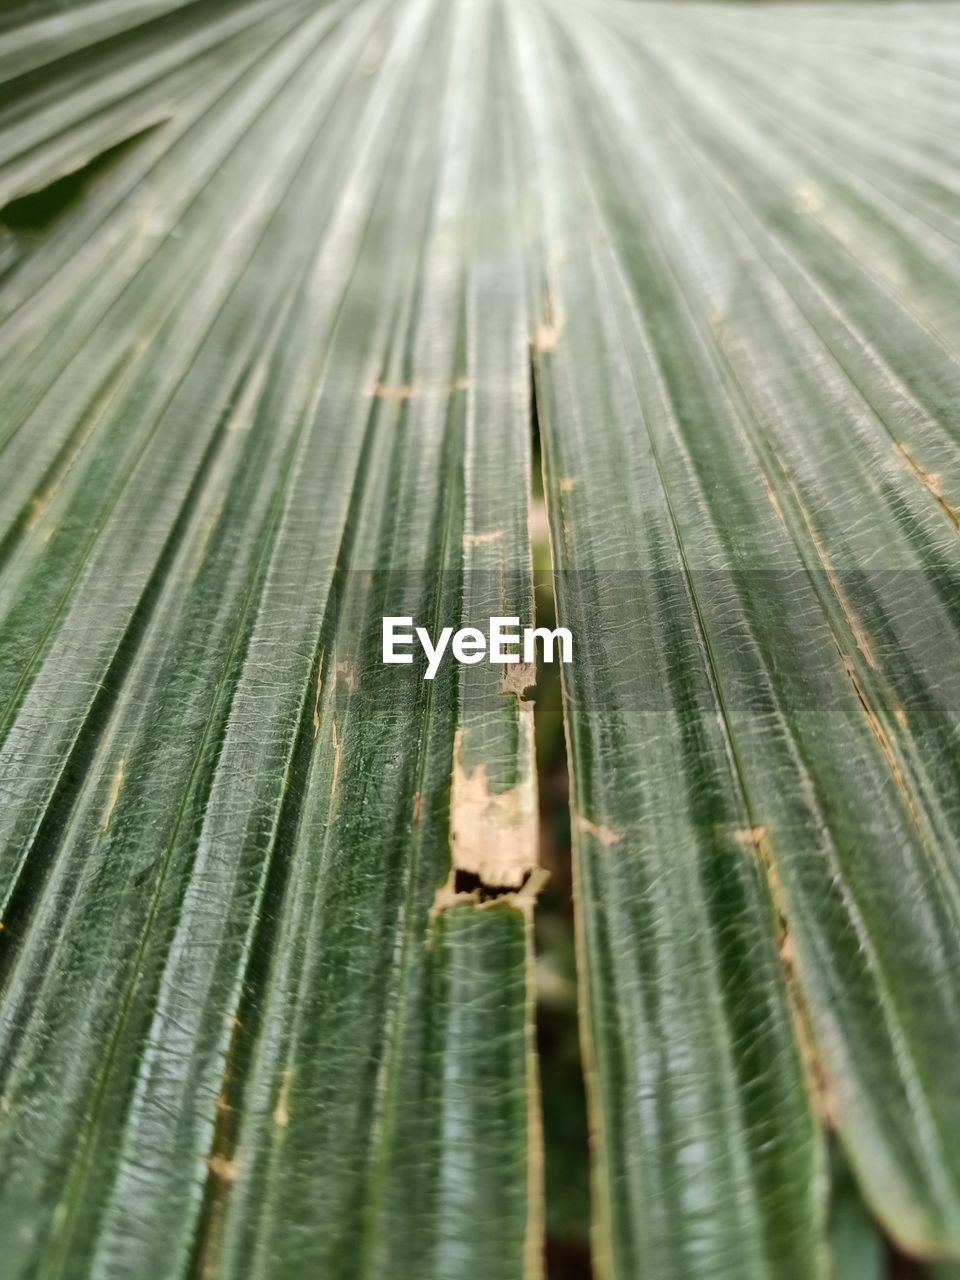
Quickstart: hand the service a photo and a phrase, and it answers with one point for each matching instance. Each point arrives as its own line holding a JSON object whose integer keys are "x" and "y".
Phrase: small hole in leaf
{"x": 468, "y": 882}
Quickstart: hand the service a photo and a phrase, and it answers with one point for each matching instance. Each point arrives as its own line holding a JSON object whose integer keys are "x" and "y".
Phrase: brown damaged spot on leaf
{"x": 493, "y": 840}
{"x": 771, "y": 494}
{"x": 859, "y": 635}
{"x": 346, "y": 673}
{"x": 757, "y": 838}
{"x": 396, "y": 392}
{"x": 493, "y": 834}
{"x": 931, "y": 481}
{"x": 751, "y": 835}
{"x": 316, "y": 698}
{"x": 517, "y": 678}
{"x": 605, "y": 836}
{"x": 479, "y": 539}
{"x": 822, "y": 1097}
{"x": 568, "y": 483}
{"x": 884, "y": 741}
{"x": 461, "y": 888}
{"x": 222, "y": 1168}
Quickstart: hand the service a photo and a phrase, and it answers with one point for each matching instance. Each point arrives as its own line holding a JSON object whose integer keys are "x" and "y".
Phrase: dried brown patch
{"x": 884, "y": 741}
{"x": 769, "y": 490}
{"x": 822, "y": 1096}
{"x": 222, "y": 1168}
{"x": 517, "y": 678}
{"x": 605, "y": 836}
{"x": 493, "y": 834}
{"x": 493, "y": 841}
{"x": 931, "y": 481}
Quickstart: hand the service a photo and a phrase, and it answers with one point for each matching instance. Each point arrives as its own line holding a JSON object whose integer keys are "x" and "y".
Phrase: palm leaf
{"x": 749, "y": 534}
{"x": 282, "y": 288}
{"x": 244, "y": 988}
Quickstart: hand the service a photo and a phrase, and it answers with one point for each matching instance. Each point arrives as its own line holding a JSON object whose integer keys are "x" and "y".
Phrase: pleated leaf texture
{"x": 282, "y": 287}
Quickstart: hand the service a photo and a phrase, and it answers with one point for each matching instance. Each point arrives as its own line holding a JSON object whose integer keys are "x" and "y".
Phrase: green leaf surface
{"x": 253, "y": 1020}
{"x": 744, "y": 378}
{"x": 857, "y": 1248}
{"x": 282, "y": 286}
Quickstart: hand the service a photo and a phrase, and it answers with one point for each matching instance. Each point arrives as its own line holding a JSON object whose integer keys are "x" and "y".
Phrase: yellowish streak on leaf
{"x": 116, "y": 786}
{"x": 244, "y": 411}
{"x": 281, "y": 1113}
{"x": 336, "y": 758}
{"x": 774, "y": 500}
{"x": 316, "y": 698}
{"x": 206, "y": 531}
{"x": 480, "y": 539}
{"x": 548, "y": 336}
{"x": 396, "y": 392}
